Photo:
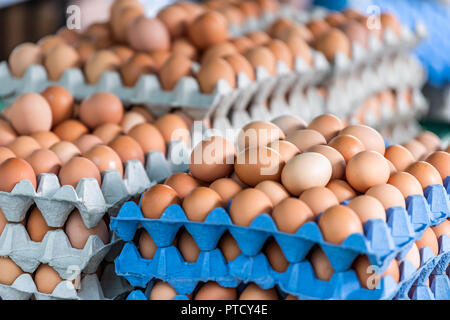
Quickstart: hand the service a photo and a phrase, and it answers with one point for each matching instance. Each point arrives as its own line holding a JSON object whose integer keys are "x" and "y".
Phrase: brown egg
{"x": 332, "y": 42}
{"x": 318, "y": 28}
{"x": 226, "y": 188}
{"x": 247, "y": 205}
{"x": 319, "y": 199}
{"x": 305, "y": 171}
{"x": 123, "y": 53}
{"x": 78, "y": 233}
{"x": 240, "y": 64}
{"x": 279, "y": 27}
{"x": 367, "y": 275}
{"x": 70, "y": 36}
{"x": 138, "y": 65}
{"x": 212, "y": 71}
{"x": 214, "y": 291}
{"x": 147, "y": 247}
{"x": 253, "y": 292}
{"x": 328, "y": 125}
{"x": 441, "y": 229}
{"x": 100, "y": 62}
{"x": 175, "y": 18}
{"x": 182, "y": 183}
{"x": 352, "y": 14}
{"x": 37, "y": 227}
{"x": 286, "y": 149}
{"x": 289, "y": 124}
{"x": 108, "y": 132}
{"x": 370, "y": 138}
{"x": 44, "y": 161}
{"x": 229, "y": 247}
{"x": 276, "y": 257}
{"x": 85, "y": 51}
{"x": 258, "y": 38}
{"x": 232, "y": 14}
{"x": 46, "y": 139}
{"x": 262, "y": 57}
{"x": 258, "y": 133}
{"x": 212, "y": 159}
{"x": 339, "y": 222}
{"x": 335, "y": 19}
{"x": 30, "y": 113}
{"x": 321, "y": 265}
{"x": 105, "y": 158}
{"x": 146, "y": 34}
{"x": 430, "y": 141}
{"x": 400, "y": 157}
{"x": 70, "y": 130}
{"x": 141, "y": 134}
{"x": 87, "y": 141}
{"x": 367, "y": 207}
{"x": 390, "y": 21}
{"x": 413, "y": 256}
{"x": 406, "y": 183}
{"x": 429, "y": 240}
{"x": 127, "y": 149}
{"x": 156, "y": 199}
{"x": 7, "y": 133}
{"x": 162, "y": 291}
{"x": 46, "y": 279}
{"x": 160, "y": 57}
{"x": 182, "y": 46}
{"x": 335, "y": 157}
{"x": 122, "y": 19}
{"x": 342, "y": 190}
{"x": 417, "y": 149}
{"x": 200, "y": 202}
{"x": 23, "y": 56}
{"x": 275, "y": 191}
{"x": 249, "y": 9}
{"x": 281, "y": 52}
{"x": 298, "y": 31}
{"x": 61, "y": 58}
{"x": 65, "y": 151}
{"x": 6, "y": 154}
{"x": 188, "y": 247}
{"x": 388, "y": 195}
{"x": 173, "y": 127}
{"x": 366, "y": 169}
{"x": 9, "y": 271}
{"x": 290, "y": 214}
{"x": 100, "y": 34}
{"x": 60, "y": 101}
{"x": 208, "y": 29}
{"x": 77, "y": 168}
{"x": 306, "y": 138}
{"x": 130, "y": 120}
{"x": 22, "y": 146}
{"x": 425, "y": 173}
{"x": 219, "y": 50}
{"x": 175, "y": 68}
{"x": 101, "y": 108}
{"x": 347, "y": 145}
{"x": 441, "y": 161}
{"x": 356, "y": 32}
{"x": 242, "y": 44}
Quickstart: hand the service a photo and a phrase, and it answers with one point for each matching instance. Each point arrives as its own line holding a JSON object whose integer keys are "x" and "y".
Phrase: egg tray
{"x": 55, "y": 250}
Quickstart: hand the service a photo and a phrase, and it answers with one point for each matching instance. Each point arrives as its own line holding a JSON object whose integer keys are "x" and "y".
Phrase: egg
{"x": 147, "y": 247}
{"x": 319, "y": 199}
{"x": 14, "y": 170}
{"x": 212, "y": 71}
{"x": 413, "y": 256}
{"x": 289, "y": 124}
{"x": 61, "y": 58}
{"x": 441, "y": 161}
{"x": 78, "y": 233}
{"x": 327, "y": 124}
{"x": 430, "y": 141}
{"x": 101, "y": 108}
{"x": 175, "y": 68}
{"x": 425, "y": 173}
{"x": 306, "y": 138}
{"x": 60, "y": 101}
{"x": 286, "y": 149}
{"x": 341, "y": 189}
{"x": 281, "y": 52}
{"x": 85, "y": 51}
{"x": 262, "y": 57}
{"x": 131, "y": 119}
{"x": 30, "y": 113}
{"x": 226, "y": 188}
{"x": 240, "y": 64}
{"x": 417, "y": 149}
{"x": 100, "y": 62}
{"x": 156, "y": 199}
{"x": 279, "y": 27}
{"x": 249, "y": 9}
{"x": 229, "y": 247}
{"x": 24, "y": 56}
{"x": 332, "y": 42}
{"x": 172, "y": 128}
{"x": 70, "y": 130}
{"x": 208, "y": 29}
{"x": 242, "y": 44}
{"x": 160, "y": 57}
{"x": 219, "y": 50}
{"x": 305, "y": 171}
{"x": 147, "y": 34}
{"x": 9, "y": 271}
{"x": 77, "y": 168}
{"x": 70, "y": 36}
{"x": 298, "y": 31}
{"x": 232, "y": 14}
{"x": 135, "y": 67}
{"x": 175, "y": 18}
{"x": 321, "y": 265}
{"x": 347, "y": 145}
{"x": 200, "y": 202}
{"x": 108, "y": 132}
{"x": 356, "y": 32}
{"x": 258, "y": 38}
{"x": 339, "y": 222}
{"x": 123, "y": 53}
{"x": 188, "y": 247}
{"x": 6, "y": 154}
{"x": 368, "y": 276}
{"x": 400, "y": 157}
{"x": 370, "y": 138}
{"x": 162, "y": 291}
{"x": 105, "y": 158}
{"x": 352, "y": 14}
{"x": 335, "y": 19}
{"x": 100, "y": 34}
{"x": 65, "y": 151}
{"x": 127, "y": 149}
{"x": 121, "y": 20}
{"x": 367, "y": 169}
{"x": 336, "y": 159}
{"x": 36, "y": 226}
{"x": 44, "y": 161}
{"x": 212, "y": 159}
{"x": 183, "y": 46}
{"x": 406, "y": 183}
{"x": 247, "y": 205}
{"x": 388, "y": 195}
{"x": 258, "y": 133}
{"x": 87, "y": 141}
{"x": 214, "y": 291}
{"x": 46, "y": 279}
{"x": 442, "y": 229}
{"x": 7, "y": 133}
{"x": 253, "y": 292}
{"x": 275, "y": 191}
{"x": 389, "y": 21}
{"x": 276, "y": 258}
{"x": 367, "y": 207}
{"x": 49, "y": 42}
{"x": 22, "y": 146}
{"x": 182, "y": 183}
{"x": 141, "y": 134}
{"x": 290, "y": 214}
{"x": 429, "y": 240}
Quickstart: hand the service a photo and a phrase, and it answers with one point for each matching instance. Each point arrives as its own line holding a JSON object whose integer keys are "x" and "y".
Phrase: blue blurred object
{"x": 433, "y": 51}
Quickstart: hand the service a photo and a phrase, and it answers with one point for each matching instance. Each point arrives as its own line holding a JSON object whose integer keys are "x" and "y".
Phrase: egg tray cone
{"x": 55, "y": 250}
{"x": 299, "y": 279}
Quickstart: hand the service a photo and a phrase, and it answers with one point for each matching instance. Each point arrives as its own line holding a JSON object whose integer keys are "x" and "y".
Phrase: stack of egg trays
{"x": 381, "y": 242}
